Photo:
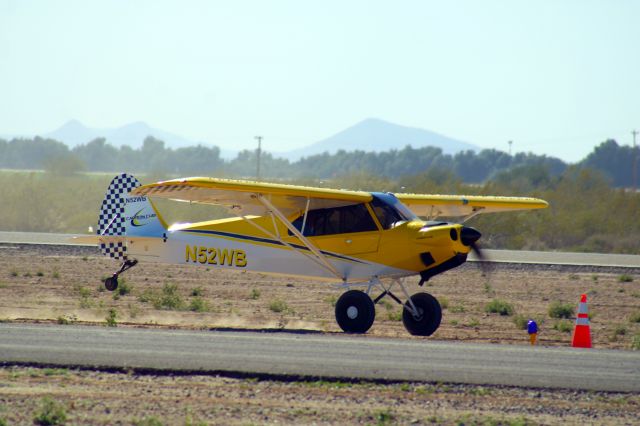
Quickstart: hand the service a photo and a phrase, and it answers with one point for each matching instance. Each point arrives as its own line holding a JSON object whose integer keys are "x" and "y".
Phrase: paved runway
{"x": 497, "y": 256}
{"x": 320, "y": 355}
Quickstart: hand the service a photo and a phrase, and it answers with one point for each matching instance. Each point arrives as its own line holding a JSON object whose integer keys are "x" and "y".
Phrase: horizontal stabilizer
{"x": 110, "y": 239}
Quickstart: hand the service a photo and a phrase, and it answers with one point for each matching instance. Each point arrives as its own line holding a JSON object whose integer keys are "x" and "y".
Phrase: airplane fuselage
{"x": 357, "y": 256}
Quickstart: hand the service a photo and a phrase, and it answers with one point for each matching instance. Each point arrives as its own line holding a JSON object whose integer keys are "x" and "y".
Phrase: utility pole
{"x": 510, "y": 143}
{"x": 634, "y": 177}
{"x": 259, "y": 138}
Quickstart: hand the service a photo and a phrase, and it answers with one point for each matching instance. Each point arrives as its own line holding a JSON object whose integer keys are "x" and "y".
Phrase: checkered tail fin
{"x": 124, "y": 215}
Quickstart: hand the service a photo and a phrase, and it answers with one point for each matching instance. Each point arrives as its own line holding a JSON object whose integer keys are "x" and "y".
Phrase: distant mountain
{"x": 371, "y": 135}
{"x": 378, "y": 135}
{"x": 75, "y": 133}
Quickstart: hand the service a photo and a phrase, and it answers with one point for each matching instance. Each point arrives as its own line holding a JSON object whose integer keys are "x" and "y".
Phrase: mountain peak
{"x": 374, "y": 134}
{"x": 73, "y": 133}
{"x": 73, "y": 124}
{"x": 137, "y": 125}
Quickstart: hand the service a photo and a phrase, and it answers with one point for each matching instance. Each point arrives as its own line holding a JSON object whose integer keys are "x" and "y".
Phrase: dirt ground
{"x": 63, "y": 284}
{"x": 99, "y": 398}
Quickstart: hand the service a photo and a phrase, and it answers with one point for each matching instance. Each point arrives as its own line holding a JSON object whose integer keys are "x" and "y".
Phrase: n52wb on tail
{"x": 371, "y": 240}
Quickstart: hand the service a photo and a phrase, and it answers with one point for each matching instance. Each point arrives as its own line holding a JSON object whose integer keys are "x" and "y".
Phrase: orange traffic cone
{"x": 582, "y": 331}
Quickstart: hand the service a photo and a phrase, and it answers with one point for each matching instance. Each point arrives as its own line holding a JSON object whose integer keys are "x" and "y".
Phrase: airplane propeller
{"x": 469, "y": 237}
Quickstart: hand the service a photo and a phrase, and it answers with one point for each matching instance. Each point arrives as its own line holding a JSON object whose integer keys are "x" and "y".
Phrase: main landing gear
{"x": 111, "y": 283}
{"x": 355, "y": 310}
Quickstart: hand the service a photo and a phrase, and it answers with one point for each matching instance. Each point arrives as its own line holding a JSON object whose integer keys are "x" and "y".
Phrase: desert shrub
{"x": 148, "y": 421}
{"x": 111, "y": 318}
{"x": 625, "y": 278}
{"x": 444, "y": 302}
{"x": 50, "y": 413}
{"x": 197, "y": 291}
{"x": 635, "y": 317}
{"x": 619, "y": 331}
{"x": 67, "y": 319}
{"x": 563, "y": 326}
{"x": 147, "y": 296}
{"x": 124, "y": 287}
{"x": 520, "y": 321}
{"x": 198, "y": 304}
{"x": 497, "y": 306}
{"x": 558, "y": 309}
{"x": 457, "y": 309}
{"x": 394, "y": 316}
{"x": 635, "y": 342}
{"x": 169, "y": 299}
{"x": 255, "y": 294}
{"x": 331, "y": 299}
{"x": 86, "y": 302}
{"x": 473, "y": 322}
{"x": 384, "y": 417}
{"x": 278, "y": 305}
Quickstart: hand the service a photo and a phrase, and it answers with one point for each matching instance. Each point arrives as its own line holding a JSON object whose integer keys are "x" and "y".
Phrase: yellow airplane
{"x": 369, "y": 240}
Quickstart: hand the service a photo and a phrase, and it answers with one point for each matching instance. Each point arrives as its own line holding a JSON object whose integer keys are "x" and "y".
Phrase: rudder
{"x": 121, "y": 215}
{"x": 111, "y": 220}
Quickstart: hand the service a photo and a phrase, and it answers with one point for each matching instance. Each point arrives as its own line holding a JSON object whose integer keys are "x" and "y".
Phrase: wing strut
{"x": 433, "y": 215}
{"x": 304, "y": 219}
{"x": 318, "y": 254}
{"x": 476, "y": 211}
{"x": 314, "y": 258}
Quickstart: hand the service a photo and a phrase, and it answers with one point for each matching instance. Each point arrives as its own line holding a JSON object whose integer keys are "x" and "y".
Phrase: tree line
{"x": 585, "y": 213}
{"x": 153, "y": 157}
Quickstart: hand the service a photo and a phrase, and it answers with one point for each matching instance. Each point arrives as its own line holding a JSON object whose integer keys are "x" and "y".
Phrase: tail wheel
{"x": 111, "y": 283}
{"x": 428, "y": 317}
{"x": 355, "y": 312}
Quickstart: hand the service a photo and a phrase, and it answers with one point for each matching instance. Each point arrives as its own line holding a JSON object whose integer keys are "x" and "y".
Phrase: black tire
{"x": 355, "y": 312}
{"x": 111, "y": 283}
{"x": 430, "y": 315}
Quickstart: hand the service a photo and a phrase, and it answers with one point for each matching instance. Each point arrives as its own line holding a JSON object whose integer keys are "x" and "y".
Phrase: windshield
{"x": 389, "y": 210}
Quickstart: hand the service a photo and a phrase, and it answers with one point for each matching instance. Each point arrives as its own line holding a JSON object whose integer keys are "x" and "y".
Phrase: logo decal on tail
{"x": 136, "y": 219}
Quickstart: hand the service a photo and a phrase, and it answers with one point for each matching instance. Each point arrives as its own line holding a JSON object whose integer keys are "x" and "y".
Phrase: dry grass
{"x": 245, "y": 300}
{"x": 100, "y": 398}
{"x": 194, "y": 297}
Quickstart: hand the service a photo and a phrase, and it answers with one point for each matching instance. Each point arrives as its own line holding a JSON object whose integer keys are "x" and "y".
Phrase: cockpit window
{"x": 338, "y": 220}
{"x": 389, "y": 210}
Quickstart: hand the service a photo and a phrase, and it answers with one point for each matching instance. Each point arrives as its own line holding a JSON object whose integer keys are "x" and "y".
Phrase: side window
{"x": 355, "y": 218}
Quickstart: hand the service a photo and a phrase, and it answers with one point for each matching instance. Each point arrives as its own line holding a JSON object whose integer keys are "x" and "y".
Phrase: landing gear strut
{"x": 111, "y": 283}
{"x": 355, "y": 311}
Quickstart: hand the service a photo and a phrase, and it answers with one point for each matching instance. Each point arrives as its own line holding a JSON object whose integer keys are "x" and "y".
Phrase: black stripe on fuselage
{"x": 265, "y": 240}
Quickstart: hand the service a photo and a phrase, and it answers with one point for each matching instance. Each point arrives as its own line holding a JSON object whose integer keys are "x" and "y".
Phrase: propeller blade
{"x": 484, "y": 265}
{"x": 478, "y": 251}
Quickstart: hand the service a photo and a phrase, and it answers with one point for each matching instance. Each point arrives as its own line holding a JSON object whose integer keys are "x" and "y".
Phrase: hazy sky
{"x": 556, "y": 77}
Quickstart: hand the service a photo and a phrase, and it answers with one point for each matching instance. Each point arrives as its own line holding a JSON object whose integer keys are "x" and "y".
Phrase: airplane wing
{"x": 242, "y": 196}
{"x": 434, "y": 206}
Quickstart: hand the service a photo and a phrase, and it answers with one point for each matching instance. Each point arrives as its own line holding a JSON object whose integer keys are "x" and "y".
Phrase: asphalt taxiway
{"x": 319, "y": 356}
